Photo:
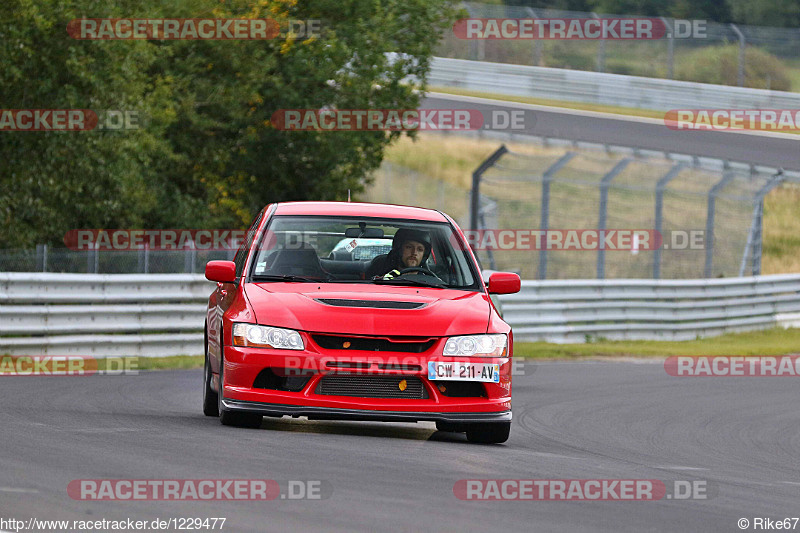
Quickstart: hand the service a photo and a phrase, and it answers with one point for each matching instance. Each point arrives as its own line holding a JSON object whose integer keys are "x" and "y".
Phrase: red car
{"x": 300, "y": 325}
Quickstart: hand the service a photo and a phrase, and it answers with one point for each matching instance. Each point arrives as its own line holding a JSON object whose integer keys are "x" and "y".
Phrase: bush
{"x": 720, "y": 65}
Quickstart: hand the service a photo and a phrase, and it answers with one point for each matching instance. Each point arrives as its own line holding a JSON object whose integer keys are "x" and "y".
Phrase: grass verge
{"x": 566, "y": 104}
{"x": 775, "y": 341}
{"x": 171, "y": 363}
{"x": 452, "y": 159}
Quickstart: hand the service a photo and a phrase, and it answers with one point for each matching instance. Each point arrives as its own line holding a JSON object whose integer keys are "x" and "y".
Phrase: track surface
{"x": 571, "y": 420}
{"x": 759, "y": 149}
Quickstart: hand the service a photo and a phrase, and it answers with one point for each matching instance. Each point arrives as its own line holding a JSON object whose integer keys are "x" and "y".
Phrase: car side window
{"x": 241, "y": 254}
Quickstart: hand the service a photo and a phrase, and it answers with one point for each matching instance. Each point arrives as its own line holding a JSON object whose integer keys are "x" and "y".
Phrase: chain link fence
{"x": 668, "y": 57}
{"x": 604, "y": 192}
{"x": 564, "y": 187}
{"x": 50, "y": 259}
{"x": 709, "y": 218}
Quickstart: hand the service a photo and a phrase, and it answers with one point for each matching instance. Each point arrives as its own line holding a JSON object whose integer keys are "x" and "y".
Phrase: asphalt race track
{"x": 757, "y": 148}
{"x": 583, "y": 420}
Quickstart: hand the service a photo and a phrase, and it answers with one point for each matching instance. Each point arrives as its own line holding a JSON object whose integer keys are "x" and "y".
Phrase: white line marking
{"x": 600, "y": 114}
{"x": 677, "y": 467}
{"x": 23, "y": 491}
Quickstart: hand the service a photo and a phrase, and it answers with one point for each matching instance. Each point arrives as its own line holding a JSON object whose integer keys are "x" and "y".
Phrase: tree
{"x": 207, "y": 154}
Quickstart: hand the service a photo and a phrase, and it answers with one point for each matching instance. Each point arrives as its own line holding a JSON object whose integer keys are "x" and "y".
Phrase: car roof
{"x": 359, "y": 209}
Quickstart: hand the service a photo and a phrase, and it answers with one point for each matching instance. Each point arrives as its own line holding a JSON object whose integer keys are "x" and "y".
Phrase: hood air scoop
{"x": 375, "y": 304}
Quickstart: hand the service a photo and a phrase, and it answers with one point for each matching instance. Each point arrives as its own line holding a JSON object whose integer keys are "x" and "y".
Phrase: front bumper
{"x": 242, "y": 366}
{"x": 327, "y": 413}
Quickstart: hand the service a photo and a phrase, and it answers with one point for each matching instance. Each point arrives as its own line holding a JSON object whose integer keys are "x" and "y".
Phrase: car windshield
{"x": 363, "y": 250}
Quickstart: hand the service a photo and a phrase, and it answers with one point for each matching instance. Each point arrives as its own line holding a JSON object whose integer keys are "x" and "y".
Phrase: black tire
{"x": 450, "y": 427}
{"x": 240, "y": 420}
{"x": 233, "y": 418}
{"x": 489, "y": 433}
{"x": 210, "y": 401}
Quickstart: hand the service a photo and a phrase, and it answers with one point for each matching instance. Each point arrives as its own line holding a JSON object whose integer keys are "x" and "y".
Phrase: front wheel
{"x": 489, "y": 432}
{"x": 210, "y": 402}
{"x": 450, "y": 427}
{"x": 233, "y": 418}
{"x": 241, "y": 420}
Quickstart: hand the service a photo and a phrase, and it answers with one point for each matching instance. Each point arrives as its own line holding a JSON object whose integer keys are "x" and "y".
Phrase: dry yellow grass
{"x": 453, "y": 158}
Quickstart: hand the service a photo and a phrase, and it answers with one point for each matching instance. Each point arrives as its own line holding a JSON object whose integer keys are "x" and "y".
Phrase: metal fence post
{"x": 547, "y": 178}
{"x": 754, "y": 236}
{"x": 387, "y": 185}
{"x": 605, "y": 183}
{"x": 489, "y": 252}
{"x": 742, "y": 46}
{"x": 712, "y": 201}
{"x": 41, "y": 258}
{"x": 188, "y": 260}
{"x": 537, "y": 43}
{"x": 601, "y": 51}
{"x": 661, "y": 185}
{"x": 670, "y": 49}
{"x": 90, "y": 258}
{"x": 476, "y": 185}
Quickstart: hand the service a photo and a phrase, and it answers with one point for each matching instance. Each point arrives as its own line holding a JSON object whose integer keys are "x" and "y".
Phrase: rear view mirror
{"x": 368, "y": 233}
{"x": 503, "y": 283}
{"x": 221, "y": 271}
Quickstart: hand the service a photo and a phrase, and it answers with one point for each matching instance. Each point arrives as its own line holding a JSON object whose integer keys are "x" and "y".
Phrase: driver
{"x": 410, "y": 249}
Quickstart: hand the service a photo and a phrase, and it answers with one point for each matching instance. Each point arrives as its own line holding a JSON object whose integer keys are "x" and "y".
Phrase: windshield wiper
{"x": 285, "y": 277}
{"x": 408, "y": 281}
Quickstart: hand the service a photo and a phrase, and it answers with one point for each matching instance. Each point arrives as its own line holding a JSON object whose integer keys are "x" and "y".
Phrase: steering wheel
{"x": 420, "y": 269}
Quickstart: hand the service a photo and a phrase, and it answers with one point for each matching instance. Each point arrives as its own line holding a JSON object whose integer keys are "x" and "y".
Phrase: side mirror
{"x": 221, "y": 271}
{"x": 504, "y": 283}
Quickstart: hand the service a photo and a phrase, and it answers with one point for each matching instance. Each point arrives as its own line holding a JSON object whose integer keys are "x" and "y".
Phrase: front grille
{"x": 268, "y": 379}
{"x": 372, "y": 386}
{"x": 375, "y": 304}
{"x": 374, "y": 344}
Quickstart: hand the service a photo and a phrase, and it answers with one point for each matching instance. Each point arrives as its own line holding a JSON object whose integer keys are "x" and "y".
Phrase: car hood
{"x": 443, "y": 312}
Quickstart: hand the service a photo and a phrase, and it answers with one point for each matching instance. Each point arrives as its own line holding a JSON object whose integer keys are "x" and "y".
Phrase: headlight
{"x": 266, "y": 337}
{"x": 484, "y": 345}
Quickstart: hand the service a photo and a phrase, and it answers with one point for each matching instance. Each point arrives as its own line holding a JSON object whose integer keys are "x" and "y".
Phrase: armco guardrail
{"x": 574, "y": 310}
{"x": 102, "y": 315}
{"x": 600, "y": 88}
{"x": 163, "y": 314}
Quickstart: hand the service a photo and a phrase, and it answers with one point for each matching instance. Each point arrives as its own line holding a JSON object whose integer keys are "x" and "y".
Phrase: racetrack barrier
{"x": 163, "y": 314}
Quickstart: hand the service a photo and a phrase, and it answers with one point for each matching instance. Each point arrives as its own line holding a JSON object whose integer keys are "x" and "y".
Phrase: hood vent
{"x": 375, "y": 304}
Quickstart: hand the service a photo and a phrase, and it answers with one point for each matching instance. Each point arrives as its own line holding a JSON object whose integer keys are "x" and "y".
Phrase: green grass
{"x": 452, "y": 159}
{"x": 630, "y": 111}
{"x": 776, "y": 341}
{"x": 170, "y": 363}
{"x": 118, "y": 364}
{"x": 566, "y": 104}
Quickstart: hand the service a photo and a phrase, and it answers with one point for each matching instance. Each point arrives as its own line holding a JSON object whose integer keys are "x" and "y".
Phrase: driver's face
{"x": 412, "y": 252}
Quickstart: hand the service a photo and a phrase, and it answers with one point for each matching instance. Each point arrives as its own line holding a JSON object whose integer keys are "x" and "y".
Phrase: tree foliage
{"x": 206, "y": 154}
{"x": 778, "y": 13}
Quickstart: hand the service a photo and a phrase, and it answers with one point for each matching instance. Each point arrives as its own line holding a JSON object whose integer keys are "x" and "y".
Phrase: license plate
{"x": 438, "y": 370}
